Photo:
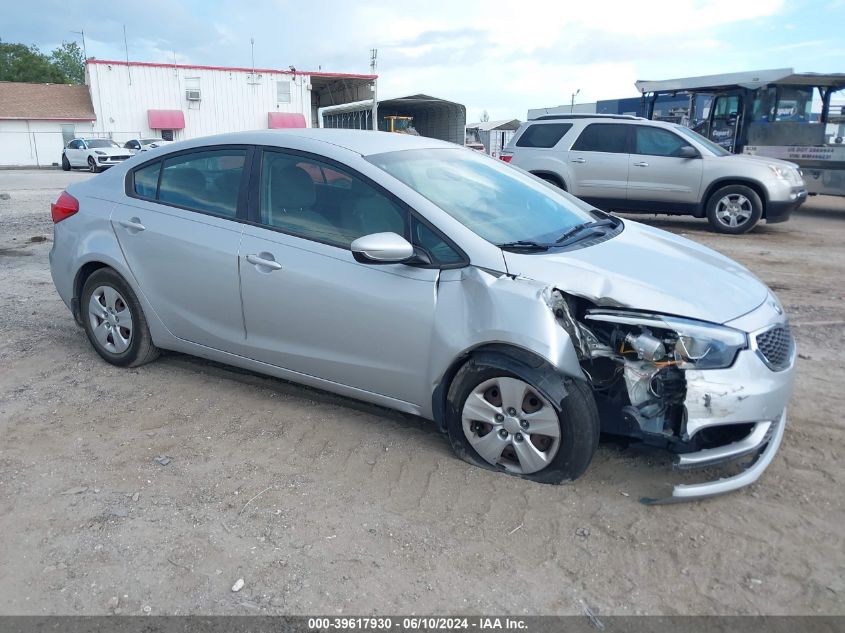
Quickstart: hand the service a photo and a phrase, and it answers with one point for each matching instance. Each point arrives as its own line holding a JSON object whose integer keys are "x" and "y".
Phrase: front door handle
{"x": 133, "y": 224}
{"x": 579, "y": 160}
{"x": 262, "y": 260}
{"x": 641, "y": 164}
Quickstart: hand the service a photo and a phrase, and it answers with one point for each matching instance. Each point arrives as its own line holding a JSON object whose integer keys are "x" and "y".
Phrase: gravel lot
{"x": 325, "y": 505}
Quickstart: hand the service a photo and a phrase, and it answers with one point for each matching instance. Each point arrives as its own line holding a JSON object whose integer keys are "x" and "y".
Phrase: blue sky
{"x": 503, "y": 57}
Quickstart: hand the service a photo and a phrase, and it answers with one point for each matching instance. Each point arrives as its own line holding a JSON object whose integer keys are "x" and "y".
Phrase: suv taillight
{"x": 505, "y": 157}
{"x": 64, "y": 207}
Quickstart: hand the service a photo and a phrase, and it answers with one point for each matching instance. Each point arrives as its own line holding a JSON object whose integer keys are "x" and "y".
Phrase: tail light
{"x": 506, "y": 157}
{"x": 64, "y": 207}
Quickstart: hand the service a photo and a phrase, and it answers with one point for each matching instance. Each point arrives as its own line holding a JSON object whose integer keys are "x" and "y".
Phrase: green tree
{"x": 68, "y": 58}
{"x": 26, "y": 63}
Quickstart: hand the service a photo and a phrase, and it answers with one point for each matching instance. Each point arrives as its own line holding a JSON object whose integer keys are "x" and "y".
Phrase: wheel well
{"x": 551, "y": 176}
{"x": 79, "y": 283}
{"x": 441, "y": 392}
{"x": 757, "y": 187}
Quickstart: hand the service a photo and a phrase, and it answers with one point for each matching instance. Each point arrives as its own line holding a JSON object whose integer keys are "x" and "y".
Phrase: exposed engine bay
{"x": 637, "y": 366}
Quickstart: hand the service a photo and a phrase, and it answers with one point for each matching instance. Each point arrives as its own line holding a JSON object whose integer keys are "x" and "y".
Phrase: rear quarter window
{"x": 543, "y": 135}
{"x": 146, "y": 180}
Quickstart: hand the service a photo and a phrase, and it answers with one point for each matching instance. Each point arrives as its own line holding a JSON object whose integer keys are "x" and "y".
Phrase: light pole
{"x": 572, "y": 102}
{"x": 82, "y": 33}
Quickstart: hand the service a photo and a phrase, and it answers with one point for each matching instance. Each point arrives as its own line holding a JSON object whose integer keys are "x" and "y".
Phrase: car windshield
{"x": 718, "y": 150}
{"x": 101, "y": 142}
{"x": 501, "y": 204}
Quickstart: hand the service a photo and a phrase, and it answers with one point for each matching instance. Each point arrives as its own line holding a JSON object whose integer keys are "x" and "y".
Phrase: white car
{"x": 94, "y": 153}
{"x": 136, "y": 145}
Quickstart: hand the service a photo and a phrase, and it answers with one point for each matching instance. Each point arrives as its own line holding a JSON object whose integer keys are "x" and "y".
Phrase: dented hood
{"x": 651, "y": 270}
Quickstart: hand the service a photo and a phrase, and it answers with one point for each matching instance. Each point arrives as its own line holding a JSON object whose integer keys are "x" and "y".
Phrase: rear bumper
{"x": 780, "y": 210}
{"x": 761, "y": 444}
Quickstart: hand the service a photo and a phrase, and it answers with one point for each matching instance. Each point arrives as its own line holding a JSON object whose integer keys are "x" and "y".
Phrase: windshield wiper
{"x": 526, "y": 245}
{"x": 567, "y": 237}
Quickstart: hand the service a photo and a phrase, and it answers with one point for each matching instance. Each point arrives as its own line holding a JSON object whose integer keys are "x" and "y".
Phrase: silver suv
{"x": 626, "y": 163}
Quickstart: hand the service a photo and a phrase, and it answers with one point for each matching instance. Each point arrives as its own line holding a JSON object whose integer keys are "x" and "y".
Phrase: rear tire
{"x": 65, "y": 163}
{"x": 734, "y": 209}
{"x": 552, "y": 180}
{"x": 549, "y": 432}
{"x": 114, "y": 320}
{"x": 92, "y": 165}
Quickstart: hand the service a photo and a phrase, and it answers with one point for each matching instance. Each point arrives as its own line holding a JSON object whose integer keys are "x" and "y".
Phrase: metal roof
{"x": 748, "y": 79}
{"x": 433, "y": 117}
{"x": 502, "y": 124}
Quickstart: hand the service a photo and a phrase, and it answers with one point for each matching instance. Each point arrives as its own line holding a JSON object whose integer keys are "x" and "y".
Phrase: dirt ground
{"x": 324, "y": 505}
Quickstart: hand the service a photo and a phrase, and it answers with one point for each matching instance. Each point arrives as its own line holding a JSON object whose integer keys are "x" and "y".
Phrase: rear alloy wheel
{"x": 734, "y": 209}
{"x": 498, "y": 418}
{"x": 65, "y": 163}
{"x": 92, "y": 165}
{"x": 114, "y": 321}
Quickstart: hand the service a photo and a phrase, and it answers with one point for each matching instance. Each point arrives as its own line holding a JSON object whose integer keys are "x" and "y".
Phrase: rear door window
{"x": 653, "y": 141}
{"x": 543, "y": 135}
{"x": 207, "y": 181}
{"x": 603, "y": 137}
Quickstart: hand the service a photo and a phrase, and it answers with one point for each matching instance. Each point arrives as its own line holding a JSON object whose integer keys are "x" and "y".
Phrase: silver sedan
{"x": 431, "y": 279}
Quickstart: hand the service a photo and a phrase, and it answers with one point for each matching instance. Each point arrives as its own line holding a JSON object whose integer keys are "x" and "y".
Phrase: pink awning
{"x": 278, "y": 120}
{"x": 166, "y": 119}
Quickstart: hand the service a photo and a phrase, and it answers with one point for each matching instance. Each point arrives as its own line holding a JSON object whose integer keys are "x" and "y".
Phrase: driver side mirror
{"x": 382, "y": 248}
{"x": 688, "y": 151}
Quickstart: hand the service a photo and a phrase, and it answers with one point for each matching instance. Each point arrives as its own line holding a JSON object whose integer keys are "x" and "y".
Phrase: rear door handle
{"x": 258, "y": 260}
{"x": 133, "y": 224}
{"x": 579, "y": 160}
{"x": 641, "y": 164}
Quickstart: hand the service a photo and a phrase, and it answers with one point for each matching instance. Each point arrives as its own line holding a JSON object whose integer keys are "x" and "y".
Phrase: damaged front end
{"x": 697, "y": 389}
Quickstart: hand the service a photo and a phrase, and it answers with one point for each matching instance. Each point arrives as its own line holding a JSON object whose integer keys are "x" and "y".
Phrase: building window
{"x": 283, "y": 91}
{"x": 166, "y": 135}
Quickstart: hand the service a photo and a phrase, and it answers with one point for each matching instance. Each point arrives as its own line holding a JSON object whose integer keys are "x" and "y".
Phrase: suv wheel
{"x": 734, "y": 209}
{"x": 65, "y": 163}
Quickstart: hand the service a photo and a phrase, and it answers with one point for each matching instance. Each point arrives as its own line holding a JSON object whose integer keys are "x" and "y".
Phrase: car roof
{"x": 364, "y": 142}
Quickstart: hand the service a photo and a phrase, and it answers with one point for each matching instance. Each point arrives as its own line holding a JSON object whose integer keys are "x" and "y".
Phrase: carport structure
{"x": 433, "y": 117}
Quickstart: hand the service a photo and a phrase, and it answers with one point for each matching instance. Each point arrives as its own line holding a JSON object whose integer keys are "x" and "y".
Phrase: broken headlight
{"x": 705, "y": 345}
{"x": 685, "y": 342}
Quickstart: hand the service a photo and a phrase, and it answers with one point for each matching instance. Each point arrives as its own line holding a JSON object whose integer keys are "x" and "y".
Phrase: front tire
{"x": 526, "y": 421}
{"x": 734, "y": 209}
{"x": 114, "y": 320}
{"x": 92, "y": 165}
{"x": 65, "y": 163}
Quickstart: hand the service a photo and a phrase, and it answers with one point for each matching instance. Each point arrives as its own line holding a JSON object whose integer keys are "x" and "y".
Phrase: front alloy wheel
{"x": 511, "y": 425}
{"x": 734, "y": 209}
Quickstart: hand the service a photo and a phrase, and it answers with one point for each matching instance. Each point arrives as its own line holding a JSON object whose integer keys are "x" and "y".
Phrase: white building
{"x": 37, "y": 120}
{"x": 141, "y": 99}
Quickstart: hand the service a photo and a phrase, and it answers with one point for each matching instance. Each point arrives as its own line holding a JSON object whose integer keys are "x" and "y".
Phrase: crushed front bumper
{"x": 752, "y": 391}
{"x": 761, "y": 445}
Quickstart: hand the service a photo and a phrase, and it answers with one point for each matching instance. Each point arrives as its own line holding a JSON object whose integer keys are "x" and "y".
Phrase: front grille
{"x": 775, "y": 346}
